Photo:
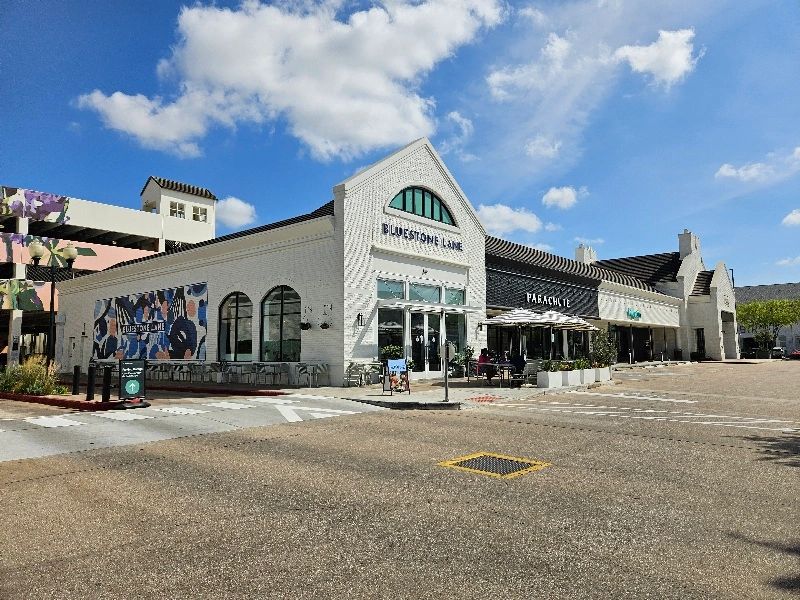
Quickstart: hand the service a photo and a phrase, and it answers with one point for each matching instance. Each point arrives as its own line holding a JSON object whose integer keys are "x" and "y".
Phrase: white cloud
{"x": 789, "y": 262}
{"x": 552, "y": 227}
{"x": 793, "y": 218}
{"x": 456, "y": 142}
{"x": 344, "y": 87}
{"x": 500, "y": 219}
{"x": 536, "y": 16}
{"x": 233, "y": 212}
{"x": 563, "y": 197}
{"x": 775, "y": 167}
{"x": 542, "y": 147}
{"x": 669, "y": 59}
{"x": 590, "y": 241}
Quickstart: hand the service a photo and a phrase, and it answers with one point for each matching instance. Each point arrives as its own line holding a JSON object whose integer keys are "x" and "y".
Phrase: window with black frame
{"x": 423, "y": 203}
{"x": 280, "y": 325}
{"x": 236, "y": 328}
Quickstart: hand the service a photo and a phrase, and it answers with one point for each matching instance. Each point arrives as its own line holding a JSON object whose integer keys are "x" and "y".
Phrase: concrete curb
{"x": 408, "y": 404}
{"x": 56, "y": 401}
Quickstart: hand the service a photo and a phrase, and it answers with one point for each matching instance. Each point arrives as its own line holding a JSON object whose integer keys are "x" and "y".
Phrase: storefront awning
{"x": 521, "y": 317}
{"x": 429, "y": 307}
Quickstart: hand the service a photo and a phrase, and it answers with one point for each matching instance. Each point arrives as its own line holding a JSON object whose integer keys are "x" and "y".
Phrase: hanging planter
{"x": 305, "y": 326}
{"x": 324, "y": 325}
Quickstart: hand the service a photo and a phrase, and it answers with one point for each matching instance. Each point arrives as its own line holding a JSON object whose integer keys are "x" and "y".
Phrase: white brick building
{"x": 304, "y": 289}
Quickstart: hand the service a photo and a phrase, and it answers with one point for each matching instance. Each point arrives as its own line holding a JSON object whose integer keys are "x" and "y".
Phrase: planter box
{"x": 603, "y": 374}
{"x": 588, "y": 376}
{"x": 570, "y": 378}
{"x": 548, "y": 379}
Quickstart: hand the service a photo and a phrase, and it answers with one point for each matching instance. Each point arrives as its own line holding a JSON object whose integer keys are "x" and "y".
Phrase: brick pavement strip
{"x": 358, "y": 508}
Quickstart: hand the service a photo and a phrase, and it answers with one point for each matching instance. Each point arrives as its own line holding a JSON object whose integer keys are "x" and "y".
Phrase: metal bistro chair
{"x": 354, "y": 373}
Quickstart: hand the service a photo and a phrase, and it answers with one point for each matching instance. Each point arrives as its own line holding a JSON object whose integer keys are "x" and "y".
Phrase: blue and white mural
{"x": 165, "y": 324}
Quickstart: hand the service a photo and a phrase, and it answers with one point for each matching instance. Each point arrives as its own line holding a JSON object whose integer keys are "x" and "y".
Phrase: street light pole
{"x": 70, "y": 253}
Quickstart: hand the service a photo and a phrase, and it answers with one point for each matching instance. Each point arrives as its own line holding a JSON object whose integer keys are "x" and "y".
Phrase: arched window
{"x": 280, "y": 325}
{"x": 236, "y": 328}
{"x": 423, "y": 203}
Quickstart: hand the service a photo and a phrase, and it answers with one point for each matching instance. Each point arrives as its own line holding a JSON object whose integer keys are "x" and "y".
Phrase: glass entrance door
{"x": 425, "y": 341}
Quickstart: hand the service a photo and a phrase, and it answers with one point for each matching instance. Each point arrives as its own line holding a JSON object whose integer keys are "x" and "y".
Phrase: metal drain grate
{"x": 494, "y": 465}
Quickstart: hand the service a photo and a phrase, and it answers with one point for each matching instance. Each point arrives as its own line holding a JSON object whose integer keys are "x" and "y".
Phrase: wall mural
{"x": 37, "y": 206}
{"x": 23, "y": 294}
{"x": 165, "y": 324}
{"x": 13, "y": 249}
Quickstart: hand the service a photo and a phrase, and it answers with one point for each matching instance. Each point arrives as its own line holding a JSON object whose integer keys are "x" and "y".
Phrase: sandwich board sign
{"x": 395, "y": 378}
{"x": 131, "y": 379}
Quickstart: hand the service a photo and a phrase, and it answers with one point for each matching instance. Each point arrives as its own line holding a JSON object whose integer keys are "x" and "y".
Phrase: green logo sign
{"x": 633, "y": 314}
{"x": 132, "y": 386}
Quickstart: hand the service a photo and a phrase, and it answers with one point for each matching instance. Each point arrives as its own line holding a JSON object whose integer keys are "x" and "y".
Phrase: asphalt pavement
{"x": 677, "y": 483}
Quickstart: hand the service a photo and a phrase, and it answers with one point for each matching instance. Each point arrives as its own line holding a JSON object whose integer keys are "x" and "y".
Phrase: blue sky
{"x": 612, "y": 121}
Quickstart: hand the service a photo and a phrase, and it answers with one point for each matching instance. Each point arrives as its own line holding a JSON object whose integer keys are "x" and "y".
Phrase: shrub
{"x": 604, "y": 350}
{"x": 391, "y": 352}
{"x": 582, "y": 363}
{"x": 31, "y": 377}
{"x": 550, "y": 365}
{"x": 565, "y": 366}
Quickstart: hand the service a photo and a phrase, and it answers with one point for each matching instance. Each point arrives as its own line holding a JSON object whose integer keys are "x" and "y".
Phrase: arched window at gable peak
{"x": 423, "y": 203}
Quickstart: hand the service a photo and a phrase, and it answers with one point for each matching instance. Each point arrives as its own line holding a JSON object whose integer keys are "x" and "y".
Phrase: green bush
{"x": 31, "y": 377}
{"x": 565, "y": 366}
{"x": 604, "y": 350}
{"x": 582, "y": 363}
{"x": 550, "y": 365}
{"x": 391, "y": 352}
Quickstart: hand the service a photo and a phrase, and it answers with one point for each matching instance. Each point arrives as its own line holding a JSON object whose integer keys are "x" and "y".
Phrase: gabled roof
{"x": 652, "y": 268}
{"x": 775, "y": 291}
{"x": 323, "y": 211}
{"x": 702, "y": 283}
{"x": 177, "y": 186}
{"x": 503, "y": 249}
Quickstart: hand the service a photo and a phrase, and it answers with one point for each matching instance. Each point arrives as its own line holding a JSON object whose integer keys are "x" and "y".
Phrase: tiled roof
{"x": 186, "y": 188}
{"x": 702, "y": 283}
{"x": 652, "y": 268}
{"x": 775, "y": 291}
{"x": 323, "y": 211}
{"x": 497, "y": 248}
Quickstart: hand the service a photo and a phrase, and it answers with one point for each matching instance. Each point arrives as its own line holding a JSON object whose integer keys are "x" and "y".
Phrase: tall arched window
{"x": 423, "y": 203}
{"x": 280, "y": 325}
{"x": 236, "y": 328}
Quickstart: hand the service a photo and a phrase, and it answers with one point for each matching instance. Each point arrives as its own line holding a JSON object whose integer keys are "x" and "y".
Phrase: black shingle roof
{"x": 702, "y": 283}
{"x": 503, "y": 249}
{"x": 652, "y": 268}
{"x": 323, "y": 211}
{"x": 186, "y": 188}
{"x": 775, "y": 291}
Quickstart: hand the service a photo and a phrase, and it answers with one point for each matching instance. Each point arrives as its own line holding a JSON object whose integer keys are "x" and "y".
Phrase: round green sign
{"x": 132, "y": 386}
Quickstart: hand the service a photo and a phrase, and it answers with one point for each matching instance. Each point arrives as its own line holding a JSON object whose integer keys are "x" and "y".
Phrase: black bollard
{"x": 76, "y": 380}
{"x": 90, "y": 375}
{"x": 106, "y": 384}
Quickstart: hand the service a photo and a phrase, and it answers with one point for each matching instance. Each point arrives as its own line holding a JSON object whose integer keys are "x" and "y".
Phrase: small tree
{"x": 604, "y": 350}
{"x": 765, "y": 318}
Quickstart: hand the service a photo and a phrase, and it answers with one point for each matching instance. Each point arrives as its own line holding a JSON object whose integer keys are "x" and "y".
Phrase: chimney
{"x": 585, "y": 254}
{"x": 688, "y": 243}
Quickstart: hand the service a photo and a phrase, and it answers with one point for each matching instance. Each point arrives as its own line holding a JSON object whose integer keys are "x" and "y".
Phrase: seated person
{"x": 517, "y": 362}
{"x": 484, "y": 365}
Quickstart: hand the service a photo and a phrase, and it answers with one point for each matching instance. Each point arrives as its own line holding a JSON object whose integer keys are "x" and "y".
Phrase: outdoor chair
{"x": 354, "y": 374}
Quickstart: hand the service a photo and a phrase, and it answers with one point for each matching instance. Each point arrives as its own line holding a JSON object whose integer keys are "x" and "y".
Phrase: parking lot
{"x": 679, "y": 482}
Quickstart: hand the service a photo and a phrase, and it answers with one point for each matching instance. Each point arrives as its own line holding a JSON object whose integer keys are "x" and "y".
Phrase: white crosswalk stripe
{"x": 272, "y": 401}
{"x": 228, "y": 405}
{"x": 180, "y": 410}
{"x": 631, "y": 397}
{"x": 658, "y": 415}
{"x": 309, "y": 397}
{"x": 122, "y": 415}
{"x": 52, "y": 421}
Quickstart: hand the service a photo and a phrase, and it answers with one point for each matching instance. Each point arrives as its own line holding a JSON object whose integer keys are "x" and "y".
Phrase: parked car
{"x": 795, "y": 355}
{"x": 776, "y": 352}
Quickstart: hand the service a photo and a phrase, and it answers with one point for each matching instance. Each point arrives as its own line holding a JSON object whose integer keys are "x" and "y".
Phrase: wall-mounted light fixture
{"x": 360, "y": 319}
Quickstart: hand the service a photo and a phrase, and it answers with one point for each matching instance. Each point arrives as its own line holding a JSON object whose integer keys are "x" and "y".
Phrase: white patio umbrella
{"x": 521, "y": 317}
